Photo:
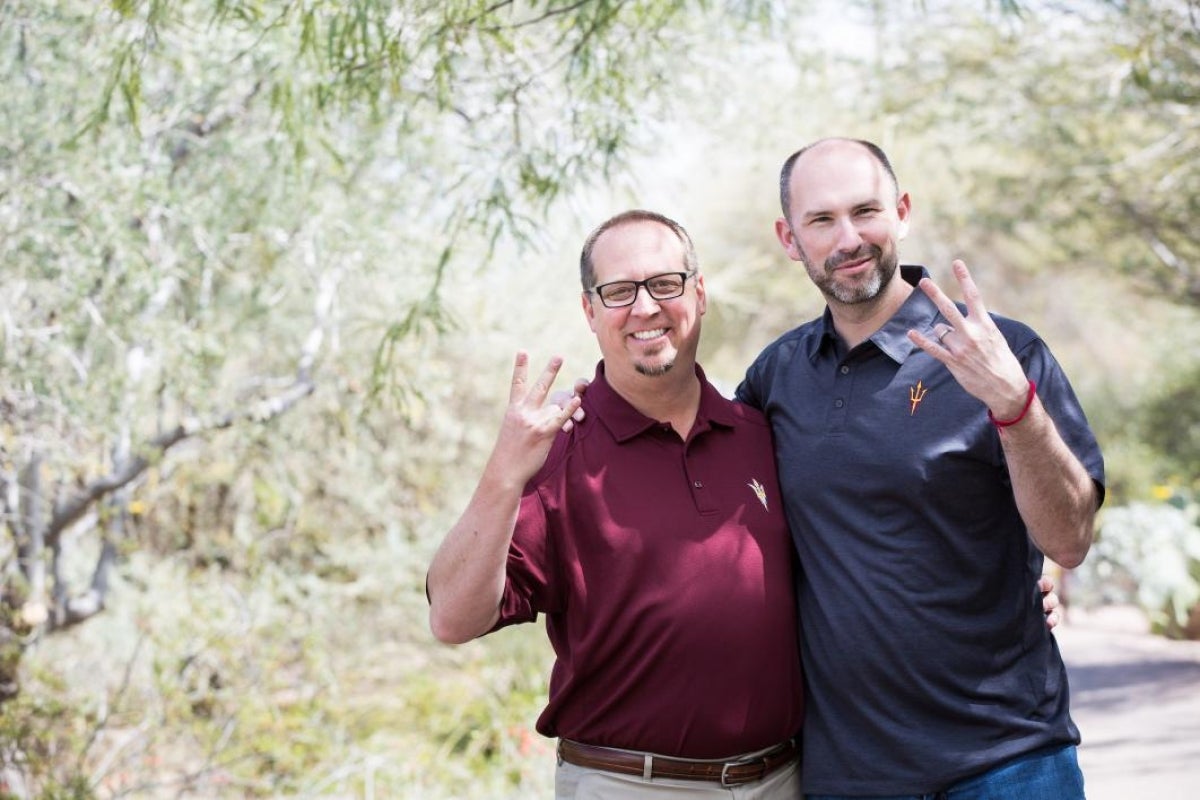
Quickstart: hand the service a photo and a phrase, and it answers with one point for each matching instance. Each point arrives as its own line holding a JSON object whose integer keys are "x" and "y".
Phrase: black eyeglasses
{"x": 666, "y": 286}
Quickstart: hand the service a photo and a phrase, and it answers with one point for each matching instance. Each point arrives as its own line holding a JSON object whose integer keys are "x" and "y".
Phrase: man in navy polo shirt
{"x": 929, "y": 454}
{"x": 652, "y": 539}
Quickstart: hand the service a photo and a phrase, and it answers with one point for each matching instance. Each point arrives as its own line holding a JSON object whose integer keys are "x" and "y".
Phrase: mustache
{"x": 863, "y": 251}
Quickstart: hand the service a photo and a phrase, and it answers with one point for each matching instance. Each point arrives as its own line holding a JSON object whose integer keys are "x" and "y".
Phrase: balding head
{"x": 825, "y": 146}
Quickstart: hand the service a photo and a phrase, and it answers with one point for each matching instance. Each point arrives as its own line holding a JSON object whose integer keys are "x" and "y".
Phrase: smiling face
{"x": 845, "y": 218}
{"x": 650, "y": 336}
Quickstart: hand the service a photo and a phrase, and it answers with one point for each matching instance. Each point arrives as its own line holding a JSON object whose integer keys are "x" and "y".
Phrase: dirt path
{"x": 1136, "y": 699}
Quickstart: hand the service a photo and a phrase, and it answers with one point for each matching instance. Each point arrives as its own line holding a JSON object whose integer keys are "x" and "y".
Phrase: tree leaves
{"x": 1090, "y": 115}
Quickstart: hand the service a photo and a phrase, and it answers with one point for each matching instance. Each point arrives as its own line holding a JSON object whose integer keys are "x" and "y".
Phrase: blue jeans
{"x": 1050, "y": 774}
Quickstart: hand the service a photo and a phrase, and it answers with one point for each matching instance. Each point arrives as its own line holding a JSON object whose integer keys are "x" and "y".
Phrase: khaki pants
{"x": 581, "y": 783}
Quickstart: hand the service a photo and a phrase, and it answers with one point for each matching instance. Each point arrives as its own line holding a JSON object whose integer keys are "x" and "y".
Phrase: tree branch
{"x": 74, "y": 507}
{"x": 71, "y": 510}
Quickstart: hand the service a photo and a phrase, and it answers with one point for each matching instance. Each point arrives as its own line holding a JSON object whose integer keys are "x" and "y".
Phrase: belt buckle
{"x": 744, "y": 763}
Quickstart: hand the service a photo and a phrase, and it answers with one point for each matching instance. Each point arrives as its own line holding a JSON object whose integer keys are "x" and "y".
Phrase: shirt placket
{"x": 698, "y": 477}
{"x": 843, "y": 390}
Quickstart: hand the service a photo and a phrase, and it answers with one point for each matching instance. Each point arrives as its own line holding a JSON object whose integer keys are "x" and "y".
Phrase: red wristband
{"x": 1004, "y": 423}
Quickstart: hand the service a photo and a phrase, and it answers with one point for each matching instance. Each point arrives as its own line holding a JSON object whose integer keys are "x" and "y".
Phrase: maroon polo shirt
{"x": 664, "y": 570}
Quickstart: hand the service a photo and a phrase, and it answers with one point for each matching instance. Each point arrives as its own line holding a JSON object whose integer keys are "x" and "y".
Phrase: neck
{"x": 855, "y": 322}
{"x": 673, "y": 397}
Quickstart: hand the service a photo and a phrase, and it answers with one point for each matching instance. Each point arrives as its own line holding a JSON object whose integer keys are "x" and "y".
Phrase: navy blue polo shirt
{"x": 925, "y": 650}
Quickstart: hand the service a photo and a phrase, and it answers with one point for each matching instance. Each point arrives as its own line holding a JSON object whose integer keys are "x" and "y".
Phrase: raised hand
{"x": 973, "y": 349}
{"x": 530, "y": 423}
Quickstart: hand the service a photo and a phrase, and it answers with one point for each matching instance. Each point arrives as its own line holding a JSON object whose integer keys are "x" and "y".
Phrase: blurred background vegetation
{"x": 266, "y": 262}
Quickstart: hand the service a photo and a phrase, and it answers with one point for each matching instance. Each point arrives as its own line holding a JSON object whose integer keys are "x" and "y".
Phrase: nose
{"x": 848, "y": 238}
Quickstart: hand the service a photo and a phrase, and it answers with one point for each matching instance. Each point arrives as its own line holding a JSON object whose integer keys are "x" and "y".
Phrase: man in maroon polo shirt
{"x": 653, "y": 541}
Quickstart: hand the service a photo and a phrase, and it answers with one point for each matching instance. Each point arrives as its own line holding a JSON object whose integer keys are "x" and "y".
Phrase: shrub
{"x": 1149, "y": 553}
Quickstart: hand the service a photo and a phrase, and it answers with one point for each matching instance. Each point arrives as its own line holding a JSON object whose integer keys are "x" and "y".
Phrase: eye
{"x": 619, "y": 292}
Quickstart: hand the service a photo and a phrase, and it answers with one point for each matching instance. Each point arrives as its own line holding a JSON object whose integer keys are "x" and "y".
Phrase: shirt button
{"x": 698, "y": 484}
{"x": 845, "y": 370}
{"x": 839, "y": 403}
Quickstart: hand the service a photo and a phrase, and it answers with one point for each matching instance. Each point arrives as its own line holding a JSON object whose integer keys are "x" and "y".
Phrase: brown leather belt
{"x": 648, "y": 765}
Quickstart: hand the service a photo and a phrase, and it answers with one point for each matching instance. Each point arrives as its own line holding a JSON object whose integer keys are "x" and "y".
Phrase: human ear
{"x": 787, "y": 238}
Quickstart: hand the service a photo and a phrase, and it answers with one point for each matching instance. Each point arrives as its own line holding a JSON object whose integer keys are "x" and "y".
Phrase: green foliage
{"x": 1150, "y": 554}
{"x": 139, "y": 265}
{"x": 527, "y": 100}
{"x": 50, "y": 736}
{"x": 1083, "y": 125}
{"x": 231, "y": 154}
{"x": 277, "y": 684}
{"x": 1170, "y": 422}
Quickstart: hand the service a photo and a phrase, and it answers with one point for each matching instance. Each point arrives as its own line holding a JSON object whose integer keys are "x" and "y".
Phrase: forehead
{"x": 837, "y": 175}
{"x": 637, "y": 249}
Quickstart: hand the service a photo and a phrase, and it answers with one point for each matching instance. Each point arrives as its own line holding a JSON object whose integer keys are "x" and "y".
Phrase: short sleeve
{"x": 527, "y": 583}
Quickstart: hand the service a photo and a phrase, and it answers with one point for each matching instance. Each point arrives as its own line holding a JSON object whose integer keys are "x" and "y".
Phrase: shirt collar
{"x": 625, "y": 422}
{"x": 917, "y": 313}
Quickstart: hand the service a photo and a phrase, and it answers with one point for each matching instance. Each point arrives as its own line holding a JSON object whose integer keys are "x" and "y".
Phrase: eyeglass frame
{"x": 644, "y": 284}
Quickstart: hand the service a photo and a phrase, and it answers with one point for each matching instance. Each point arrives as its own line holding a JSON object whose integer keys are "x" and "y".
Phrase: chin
{"x": 654, "y": 370}
{"x": 863, "y": 293}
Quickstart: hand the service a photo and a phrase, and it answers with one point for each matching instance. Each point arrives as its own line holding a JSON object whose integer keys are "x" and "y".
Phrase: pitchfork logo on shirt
{"x": 915, "y": 395}
{"x": 760, "y": 491}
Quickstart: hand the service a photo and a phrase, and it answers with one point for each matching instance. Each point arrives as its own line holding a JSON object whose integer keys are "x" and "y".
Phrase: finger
{"x": 970, "y": 291}
{"x": 559, "y": 397}
{"x": 1045, "y": 585}
{"x": 940, "y": 332}
{"x": 931, "y": 346}
{"x": 944, "y": 304}
{"x": 520, "y": 370}
{"x": 541, "y": 387}
{"x": 566, "y": 416}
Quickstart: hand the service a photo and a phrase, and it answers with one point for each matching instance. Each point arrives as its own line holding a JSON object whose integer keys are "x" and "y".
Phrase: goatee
{"x": 881, "y": 275}
{"x": 654, "y": 370}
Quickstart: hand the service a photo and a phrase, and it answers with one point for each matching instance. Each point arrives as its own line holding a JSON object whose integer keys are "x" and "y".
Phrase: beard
{"x": 654, "y": 370}
{"x": 825, "y": 277}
